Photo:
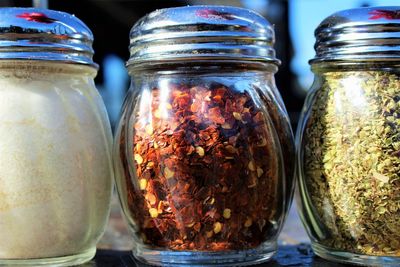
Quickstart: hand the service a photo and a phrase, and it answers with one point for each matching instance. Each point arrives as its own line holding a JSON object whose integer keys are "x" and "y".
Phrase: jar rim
{"x": 361, "y": 34}
{"x": 43, "y": 34}
{"x": 195, "y": 33}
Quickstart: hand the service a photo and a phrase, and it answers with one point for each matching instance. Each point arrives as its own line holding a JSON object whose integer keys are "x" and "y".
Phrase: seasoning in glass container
{"x": 204, "y": 150}
{"x": 348, "y": 154}
{"x": 55, "y": 141}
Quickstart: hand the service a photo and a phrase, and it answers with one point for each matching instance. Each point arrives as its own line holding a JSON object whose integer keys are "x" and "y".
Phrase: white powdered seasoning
{"x": 55, "y": 166}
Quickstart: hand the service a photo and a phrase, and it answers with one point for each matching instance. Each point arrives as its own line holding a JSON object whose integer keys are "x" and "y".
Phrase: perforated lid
{"x": 202, "y": 33}
{"x": 361, "y": 34}
{"x": 42, "y": 34}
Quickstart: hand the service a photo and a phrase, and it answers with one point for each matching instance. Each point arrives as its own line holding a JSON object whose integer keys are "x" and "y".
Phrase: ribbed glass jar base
{"x": 199, "y": 258}
{"x": 72, "y": 260}
{"x": 353, "y": 258}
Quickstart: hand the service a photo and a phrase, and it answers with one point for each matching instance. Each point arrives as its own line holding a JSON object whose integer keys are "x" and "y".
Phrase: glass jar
{"x": 55, "y": 141}
{"x": 349, "y": 139}
{"x": 204, "y": 151}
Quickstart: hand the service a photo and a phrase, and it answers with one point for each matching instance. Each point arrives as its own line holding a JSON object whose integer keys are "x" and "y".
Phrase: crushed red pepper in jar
{"x": 207, "y": 168}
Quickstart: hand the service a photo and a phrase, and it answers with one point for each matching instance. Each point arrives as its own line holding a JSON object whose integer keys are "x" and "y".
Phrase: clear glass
{"x": 348, "y": 143}
{"x": 56, "y": 168}
{"x": 204, "y": 164}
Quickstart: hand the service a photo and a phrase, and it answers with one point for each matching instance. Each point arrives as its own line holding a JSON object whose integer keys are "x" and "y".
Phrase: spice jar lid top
{"x": 202, "y": 33}
{"x": 42, "y": 34}
{"x": 360, "y": 34}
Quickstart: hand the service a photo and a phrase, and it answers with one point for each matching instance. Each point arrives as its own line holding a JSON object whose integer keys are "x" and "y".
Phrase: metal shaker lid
{"x": 361, "y": 34}
{"x": 202, "y": 33}
{"x": 42, "y": 34}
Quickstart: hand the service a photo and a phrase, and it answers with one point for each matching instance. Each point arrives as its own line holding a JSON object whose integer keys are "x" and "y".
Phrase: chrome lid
{"x": 42, "y": 34}
{"x": 361, "y": 34}
{"x": 202, "y": 33}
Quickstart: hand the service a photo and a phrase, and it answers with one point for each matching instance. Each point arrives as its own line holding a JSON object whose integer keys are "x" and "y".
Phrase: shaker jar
{"x": 204, "y": 151}
{"x": 349, "y": 139}
{"x": 55, "y": 141}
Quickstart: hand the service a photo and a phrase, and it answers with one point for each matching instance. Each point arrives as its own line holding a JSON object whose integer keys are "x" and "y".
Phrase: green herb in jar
{"x": 351, "y": 161}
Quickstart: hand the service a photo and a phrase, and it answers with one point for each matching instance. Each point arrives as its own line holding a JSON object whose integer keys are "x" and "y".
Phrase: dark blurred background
{"x": 111, "y": 21}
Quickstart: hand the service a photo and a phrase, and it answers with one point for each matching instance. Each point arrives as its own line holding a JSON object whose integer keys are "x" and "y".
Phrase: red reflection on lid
{"x": 36, "y": 17}
{"x": 213, "y": 14}
{"x": 384, "y": 14}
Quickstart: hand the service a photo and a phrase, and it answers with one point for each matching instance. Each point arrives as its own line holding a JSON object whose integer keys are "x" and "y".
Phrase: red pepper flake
{"x": 384, "y": 14}
{"x": 215, "y": 116}
{"x": 207, "y": 176}
{"x": 214, "y": 14}
{"x": 36, "y": 17}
